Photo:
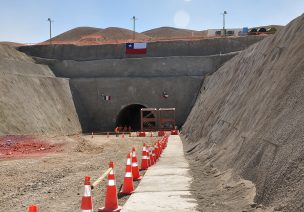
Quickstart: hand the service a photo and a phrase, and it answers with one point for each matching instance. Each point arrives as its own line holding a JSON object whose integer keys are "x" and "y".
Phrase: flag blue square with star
{"x": 130, "y": 45}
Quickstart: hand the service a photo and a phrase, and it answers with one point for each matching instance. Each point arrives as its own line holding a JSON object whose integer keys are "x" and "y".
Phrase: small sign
{"x": 106, "y": 97}
{"x": 165, "y": 95}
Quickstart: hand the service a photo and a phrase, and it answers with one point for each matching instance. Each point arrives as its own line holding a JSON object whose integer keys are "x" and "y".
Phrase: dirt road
{"x": 55, "y": 181}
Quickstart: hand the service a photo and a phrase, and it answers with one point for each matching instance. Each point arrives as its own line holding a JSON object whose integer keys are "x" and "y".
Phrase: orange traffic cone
{"x": 165, "y": 139}
{"x": 111, "y": 201}
{"x": 154, "y": 154}
{"x": 128, "y": 186}
{"x": 142, "y": 134}
{"x": 156, "y": 151}
{"x": 33, "y": 208}
{"x": 159, "y": 147}
{"x": 123, "y": 135}
{"x": 144, "y": 159}
{"x": 135, "y": 170}
{"x": 148, "y": 155}
{"x": 86, "y": 203}
{"x": 152, "y": 160}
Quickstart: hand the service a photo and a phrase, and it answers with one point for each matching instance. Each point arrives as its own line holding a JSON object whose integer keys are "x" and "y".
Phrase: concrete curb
{"x": 166, "y": 185}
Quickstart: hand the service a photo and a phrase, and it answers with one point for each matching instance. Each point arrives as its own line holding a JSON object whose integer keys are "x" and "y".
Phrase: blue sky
{"x": 26, "y": 20}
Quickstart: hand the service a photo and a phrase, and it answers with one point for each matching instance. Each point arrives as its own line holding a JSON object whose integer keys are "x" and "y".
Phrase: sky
{"x": 25, "y": 21}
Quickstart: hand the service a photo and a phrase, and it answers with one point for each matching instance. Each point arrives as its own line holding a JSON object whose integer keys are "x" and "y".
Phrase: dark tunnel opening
{"x": 130, "y": 116}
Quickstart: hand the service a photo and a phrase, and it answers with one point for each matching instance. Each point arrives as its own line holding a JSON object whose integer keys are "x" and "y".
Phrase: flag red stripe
{"x": 136, "y": 51}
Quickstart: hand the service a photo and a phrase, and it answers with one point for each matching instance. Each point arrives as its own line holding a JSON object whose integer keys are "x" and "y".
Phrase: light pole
{"x": 134, "y": 20}
{"x": 224, "y": 30}
{"x": 50, "y": 20}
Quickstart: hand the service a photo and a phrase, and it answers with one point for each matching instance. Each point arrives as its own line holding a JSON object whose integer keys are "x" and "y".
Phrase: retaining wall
{"x": 155, "y": 49}
{"x": 135, "y": 67}
{"x": 147, "y": 91}
{"x": 177, "y": 67}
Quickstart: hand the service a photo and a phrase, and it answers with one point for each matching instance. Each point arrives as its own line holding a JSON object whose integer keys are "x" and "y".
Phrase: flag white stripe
{"x": 140, "y": 45}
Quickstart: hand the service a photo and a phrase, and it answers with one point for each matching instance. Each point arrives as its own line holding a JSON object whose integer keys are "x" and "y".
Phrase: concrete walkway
{"x": 166, "y": 185}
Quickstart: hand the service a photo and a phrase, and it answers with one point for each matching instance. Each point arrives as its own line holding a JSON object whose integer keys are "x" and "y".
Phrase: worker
{"x": 116, "y": 131}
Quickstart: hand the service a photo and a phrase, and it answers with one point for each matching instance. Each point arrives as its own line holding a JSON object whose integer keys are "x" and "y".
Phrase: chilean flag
{"x": 136, "y": 48}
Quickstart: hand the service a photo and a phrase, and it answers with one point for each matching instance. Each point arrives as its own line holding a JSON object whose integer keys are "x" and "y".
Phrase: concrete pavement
{"x": 166, "y": 185}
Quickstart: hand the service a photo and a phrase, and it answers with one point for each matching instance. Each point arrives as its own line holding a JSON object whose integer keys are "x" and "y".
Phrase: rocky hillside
{"x": 32, "y": 99}
{"x": 250, "y": 117}
{"x": 91, "y": 35}
{"x": 174, "y": 33}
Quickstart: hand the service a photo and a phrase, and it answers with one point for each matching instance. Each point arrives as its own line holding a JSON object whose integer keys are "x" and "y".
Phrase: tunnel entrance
{"x": 130, "y": 116}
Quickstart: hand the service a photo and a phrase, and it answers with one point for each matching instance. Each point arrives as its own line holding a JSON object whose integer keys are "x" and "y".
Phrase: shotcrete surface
{"x": 250, "y": 118}
{"x": 32, "y": 99}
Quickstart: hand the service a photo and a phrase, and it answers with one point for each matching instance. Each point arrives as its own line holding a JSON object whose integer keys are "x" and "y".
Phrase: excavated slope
{"x": 250, "y": 117}
{"x": 32, "y": 99}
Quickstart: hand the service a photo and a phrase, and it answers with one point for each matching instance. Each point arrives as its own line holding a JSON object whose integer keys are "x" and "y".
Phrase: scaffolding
{"x": 153, "y": 119}
{"x": 148, "y": 119}
{"x": 167, "y": 119}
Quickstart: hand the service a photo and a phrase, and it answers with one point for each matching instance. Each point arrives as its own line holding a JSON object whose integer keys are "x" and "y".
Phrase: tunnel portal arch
{"x": 130, "y": 116}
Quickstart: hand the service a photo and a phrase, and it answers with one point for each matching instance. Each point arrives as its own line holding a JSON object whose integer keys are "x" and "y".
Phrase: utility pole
{"x": 50, "y": 20}
{"x": 134, "y": 20}
{"x": 224, "y": 30}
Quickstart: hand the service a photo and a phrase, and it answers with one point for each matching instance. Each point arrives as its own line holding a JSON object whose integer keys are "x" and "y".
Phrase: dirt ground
{"x": 54, "y": 181}
{"x": 20, "y": 146}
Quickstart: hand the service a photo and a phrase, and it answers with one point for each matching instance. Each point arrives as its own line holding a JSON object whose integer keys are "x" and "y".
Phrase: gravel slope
{"x": 32, "y": 99}
{"x": 250, "y": 118}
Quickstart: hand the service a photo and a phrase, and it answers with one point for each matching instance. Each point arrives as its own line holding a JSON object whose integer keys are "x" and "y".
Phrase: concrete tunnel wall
{"x": 133, "y": 81}
{"x": 176, "y": 67}
{"x": 102, "y": 115}
{"x": 138, "y": 67}
{"x": 155, "y": 49}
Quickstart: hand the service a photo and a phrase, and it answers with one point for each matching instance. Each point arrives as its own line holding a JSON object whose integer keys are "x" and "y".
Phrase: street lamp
{"x": 224, "y": 30}
{"x": 50, "y": 20}
{"x": 134, "y": 20}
